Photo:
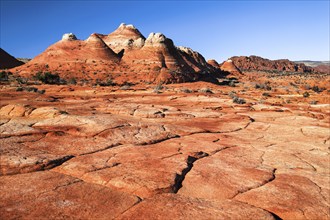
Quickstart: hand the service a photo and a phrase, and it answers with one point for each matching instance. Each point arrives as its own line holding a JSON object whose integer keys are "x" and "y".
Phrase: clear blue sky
{"x": 295, "y": 30}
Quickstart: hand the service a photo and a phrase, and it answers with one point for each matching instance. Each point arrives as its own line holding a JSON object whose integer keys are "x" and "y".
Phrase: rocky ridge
{"x": 119, "y": 56}
{"x": 262, "y": 64}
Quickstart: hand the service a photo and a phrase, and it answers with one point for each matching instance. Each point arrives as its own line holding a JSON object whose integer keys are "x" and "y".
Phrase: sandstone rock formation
{"x": 7, "y": 61}
{"x": 229, "y": 67}
{"x": 119, "y": 56}
{"x": 259, "y": 63}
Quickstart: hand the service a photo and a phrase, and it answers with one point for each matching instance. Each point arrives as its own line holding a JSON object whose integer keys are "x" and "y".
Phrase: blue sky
{"x": 296, "y": 30}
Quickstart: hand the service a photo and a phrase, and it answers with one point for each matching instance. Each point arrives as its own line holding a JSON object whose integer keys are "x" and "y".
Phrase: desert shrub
{"x": 186, "y": 90}
{"x": 263, "y": 86}
{"x": 317, "y": 89}
{"x": 313, "y": 102}
{"x": 205, "y": 90}
{"x": 232, "y": 83}
{"x": 31, "y": 89}
{"x": 41, "y": 91}
{"x": 28, "y": 89}
{"x": 109, "y": 82}
{"x": 306, "y": 94}
{"x": 125, "y": 87}
{"x": 3, "y": 76}
{"x": 266, "y": 94}
{"x": 232, "y": 94}
{"x": 21, "y": 80}
{"x": 239, "y": 100}
{"x": 72, "y": 81}
{"x": 158, "y": 88}
{"x": 48, "y": 78}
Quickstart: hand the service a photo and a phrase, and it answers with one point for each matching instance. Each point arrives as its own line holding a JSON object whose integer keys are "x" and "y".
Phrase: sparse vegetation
{"x": 72, "y": 81}
{"x": 30, "y": 89}
{"x": 306, "y": 94}
{"x": 206, "y": 90}
{"x": 232, "y": 83}
{"x": 239, "y": 100}
{"x": 264, "y": 86}
{"x": 48, "y": 78}
{"x": 186, "y": 90}
{"x": 4, "y": 76}
{"x": 317, "y": 89}
{"x": 232, "y": 94}
{"x": 158, "y": 88}
{"x": 125, "y": 87}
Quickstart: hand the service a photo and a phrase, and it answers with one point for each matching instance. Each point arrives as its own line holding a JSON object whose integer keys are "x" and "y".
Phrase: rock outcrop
{"x": 230, "y": 68}
{"x": 7, "y": 61}
{"x": 124, "y": 55}
{"x": 262, "y": 64}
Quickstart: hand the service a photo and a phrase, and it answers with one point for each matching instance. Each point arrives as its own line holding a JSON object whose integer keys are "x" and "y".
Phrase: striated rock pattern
{"x": 259, "y": 63}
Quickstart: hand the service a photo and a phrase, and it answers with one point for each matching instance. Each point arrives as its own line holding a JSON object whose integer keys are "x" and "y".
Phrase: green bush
{"x": 48, "y": 78}
{"x": 3, "y": 76}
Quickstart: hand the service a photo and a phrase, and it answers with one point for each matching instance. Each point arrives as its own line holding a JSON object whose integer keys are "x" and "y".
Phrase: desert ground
{"x": 257, "y": 149}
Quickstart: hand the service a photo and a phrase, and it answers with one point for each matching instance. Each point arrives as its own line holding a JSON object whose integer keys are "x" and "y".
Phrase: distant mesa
{"x": 258, "y": 63}
{"x": 7, "y": 61}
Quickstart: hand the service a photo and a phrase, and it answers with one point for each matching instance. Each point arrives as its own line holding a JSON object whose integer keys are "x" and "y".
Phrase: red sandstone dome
{"x": 231, "y": 68}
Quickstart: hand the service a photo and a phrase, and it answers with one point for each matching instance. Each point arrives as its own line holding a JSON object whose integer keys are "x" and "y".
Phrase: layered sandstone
{"x": 123, "y": 56}
{"x": 259, "y": 63}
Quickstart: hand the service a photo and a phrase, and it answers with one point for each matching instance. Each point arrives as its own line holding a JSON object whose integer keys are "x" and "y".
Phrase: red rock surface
{"x": 7, "y": 61}
{"x": 322, "y": 68}
{"x": 185, "y": 151}
{"x": 259, "y": 63}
